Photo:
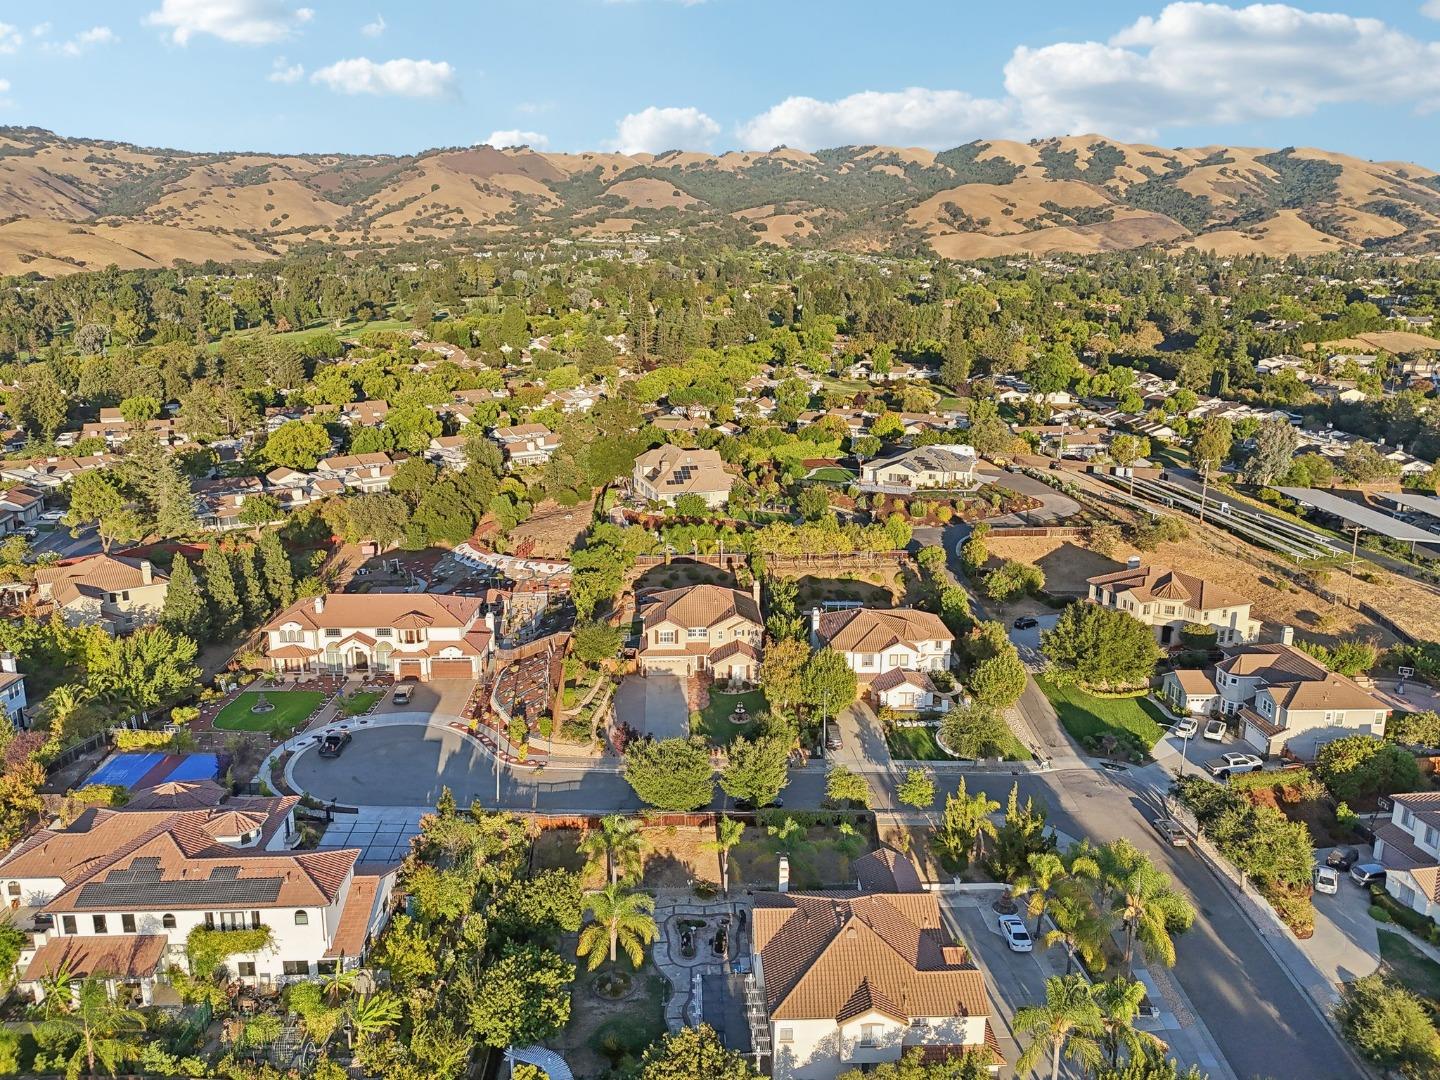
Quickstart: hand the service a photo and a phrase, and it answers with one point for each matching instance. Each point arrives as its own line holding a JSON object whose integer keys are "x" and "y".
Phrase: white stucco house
{"x": 876, "y": 640}
{"x": 1408, "y": 846}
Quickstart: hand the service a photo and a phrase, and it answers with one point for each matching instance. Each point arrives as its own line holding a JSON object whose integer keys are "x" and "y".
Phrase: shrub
{"x": 1379, "y": 914}
{"x": 1390, "y": 1026}
{"x": 1358, "y": 766}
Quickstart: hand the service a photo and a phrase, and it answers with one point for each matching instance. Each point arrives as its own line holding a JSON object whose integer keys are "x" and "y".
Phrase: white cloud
{"x": 400, "y": 78}
{"x": 913, "y": 117}
{"x": 10, "y": 38}
{"x": 241, "y": 22}
{"x": 1430, "y": 9}
{"x": 39, "y": 30}
{"x": 515, "y": 137}
{"x": 82, "y": 42}
{"x": 282, "y": 72}
{"x": 374, "y": 29}
{"x": 654, "y": 130}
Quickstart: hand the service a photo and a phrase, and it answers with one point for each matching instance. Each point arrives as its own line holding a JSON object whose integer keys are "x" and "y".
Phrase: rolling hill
{"x": 74, "y": 204}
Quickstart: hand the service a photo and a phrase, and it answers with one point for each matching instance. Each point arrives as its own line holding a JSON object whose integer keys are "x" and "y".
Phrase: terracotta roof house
{"x": 877, "y": 640}
{"x": 424, "y": 635}
{"x": 850, "y": 979}
{"x": 1168, "y": 600}
{"x": 702, "y": 628}
{"x": 667, "y": 472}
{"x": 116, "y": 593}
{"x": 1284, "y": 698}
{"x": 123, "y": 889}
{"x": 1408, "y": 846}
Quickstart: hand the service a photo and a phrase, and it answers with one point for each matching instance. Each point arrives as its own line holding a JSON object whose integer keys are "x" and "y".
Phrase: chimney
{"x": 147, "y": 572}
{"x": 1287, "y": 635}
{"x": 1133, "y": 563}
{"x": 319, "y": 605}
{"x": 7, "y": 663}
{"x": 783, "y": 885}
{"x": 814, "y": 621}
{"x": 490, "y": 621}
{"x": 755, "y": 590}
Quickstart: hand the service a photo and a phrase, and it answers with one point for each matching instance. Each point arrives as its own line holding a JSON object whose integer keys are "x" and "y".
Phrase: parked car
{"x": 1367, "y": 874}
{"x": 27, "y": 532}
{"x": 332, "y": 744}
{"x": 833, "y": 741}
{"x": 1215, "y": 730}
{"x": 1012, "y": 928}
{"x": 1187, "y": 728}
{"x": 1226, "y": 764}
{"x": 1026, "y": 622}
{"x": 1327, "y": 880}
{"x": 746, "y": 806}
{"x": 404, "y": 690}
{"x": 52, "y": 515}
{"x": 1170, "y": 829}
{"x": 1342, "y": 858}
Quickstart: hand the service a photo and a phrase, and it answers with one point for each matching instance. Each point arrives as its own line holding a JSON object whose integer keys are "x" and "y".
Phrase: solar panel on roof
{"x": 129, "y": 892}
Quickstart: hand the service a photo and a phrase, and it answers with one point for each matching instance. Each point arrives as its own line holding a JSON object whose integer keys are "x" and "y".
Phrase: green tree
{"x": 974, "y": 731}
{"x": 1012, "y": 580}
{"x": 1147, "y": 905}
{"x": 220, "y": 589}
{"x": 1150, "y": 1064}
{"x": 843, "y": 785}
{"x": 691, "y": 506}
{"x": 107, "y": 1033}
{"x": 829, "y": 684}
{"x": 917, "y": 789}
{"x": 1212, "y": 444}
{"x": 1389, "y": 1026}
{"x": 184, "y": 608}
{"x": 523, "y": 999}
{"x": 1021, "y": 834}
{"x": 1357, "y": 766}
{"x": 782, "y": 673}
{"x": 259, "y": 511}
{"x": 971, "y": 1065}
{"x": 372, "y": 1015}
{"x": 1044, "y": 874}
{"x": 997, "y": 681}
{"x": 965, "y": 824}
{"x": 1275, "y": 443}
{"x": 620, "y": 919}
{"x": 814, "y": 502}
{"x": 1119, "y": 1003}
{"x": 756, "y": 770}
{"x": 694, "y": 1052}
{"x": 617, "y": 847}
{"x": 1068, "y": 1025}
{"x": 728, "y": 832}
{"x": 1100, "y": 647}
{"x": 275, "y": 569}
{"x": 297, "y": 444}
{"x": 671, "y": 774}
{"x": 597, "y": 641}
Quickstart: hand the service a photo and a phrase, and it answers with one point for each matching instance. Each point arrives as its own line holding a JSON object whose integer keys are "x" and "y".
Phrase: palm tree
{"x": 1145, "y": 902}
{"x": 108, "y": 1031}
{"x": 965, "y": 823}
{"x": 728, "y": 833}
{"x": 64, "y": 704}
{"x": 57, "y": 991}
{"x": 1068, "y": 1025}
{"x": 617, "y": 845}
{"x": 1041, "y": 879}
{"x": 1078, "y": 926}
{"x": 621, "y": 920}
{"x": 373, "y": 1014}
{"x": 1119, "y": 1003}
{"x": 338, "y": 984}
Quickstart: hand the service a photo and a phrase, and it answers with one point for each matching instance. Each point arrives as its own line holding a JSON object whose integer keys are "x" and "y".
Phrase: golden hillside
{"x": 70, "y": 204}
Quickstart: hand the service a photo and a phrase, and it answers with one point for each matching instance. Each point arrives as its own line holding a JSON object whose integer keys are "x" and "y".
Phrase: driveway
{"x": 862, "y": 740}
{"x": 1028, "y": 641}
{"x": 441, "y": 697}
{"x": 1346, "y": 944}
{"x": 1054, "y": 508}
{"x": 654, "y": 705}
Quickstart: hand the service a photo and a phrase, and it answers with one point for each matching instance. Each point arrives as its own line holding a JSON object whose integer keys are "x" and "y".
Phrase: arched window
{"x": 302, "y": 918}
{"x": 168, "y": 922}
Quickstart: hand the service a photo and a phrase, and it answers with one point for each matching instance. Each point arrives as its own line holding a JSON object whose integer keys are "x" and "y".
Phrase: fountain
{"x": 262, "y": 704}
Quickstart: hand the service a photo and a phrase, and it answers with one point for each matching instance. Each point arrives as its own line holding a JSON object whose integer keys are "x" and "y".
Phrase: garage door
{"x": 451, "y": 669}
{"x": 407, "y": 668}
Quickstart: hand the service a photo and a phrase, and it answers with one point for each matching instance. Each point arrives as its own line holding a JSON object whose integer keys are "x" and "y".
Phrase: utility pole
{"x": 1204, "y": 486}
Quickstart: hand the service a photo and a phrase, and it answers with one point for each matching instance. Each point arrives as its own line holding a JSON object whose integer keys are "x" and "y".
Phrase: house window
{"x": 411, "y": 637}
{"x": 326, "y": 967}
{"x": 870, "y": 1034}
{"x": 1406, "y": 817}
{"x": 384, "y": 631}
{"x": 665, "y": 637}
{"x": 167, "y": 921}
{"x": 332, "y": 633}
{"x": 785, "y": 1035}
{"x": 245, "y": 969}
{"x": 1432, "y": 836}
{"x": 67, "y": 924}
{"x": 302, "y": 918}
{"x": 99, "y": 922}
{"x": 697, "y": 633}
{"x": 867, "y": 660}
{"x": 127, "y": 924}
{"x": 295, "y": 967}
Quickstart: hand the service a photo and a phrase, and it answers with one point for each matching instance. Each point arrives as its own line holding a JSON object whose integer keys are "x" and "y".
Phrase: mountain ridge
{"x": 69, "y": 204}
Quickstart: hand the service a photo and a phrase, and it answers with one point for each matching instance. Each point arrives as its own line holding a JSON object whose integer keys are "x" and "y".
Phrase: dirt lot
{"x": 683, "y": 573}
{"x": 674, "y": 857}
{"x": 555, "y": 529}
{"x": 1275, "y": 599}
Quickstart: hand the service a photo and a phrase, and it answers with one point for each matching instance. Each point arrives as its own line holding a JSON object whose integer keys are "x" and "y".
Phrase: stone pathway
{"x": 684, "y": 974}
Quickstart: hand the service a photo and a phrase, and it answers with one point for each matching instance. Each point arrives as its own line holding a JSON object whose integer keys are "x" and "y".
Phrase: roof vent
{"x": 1133, "y": 563}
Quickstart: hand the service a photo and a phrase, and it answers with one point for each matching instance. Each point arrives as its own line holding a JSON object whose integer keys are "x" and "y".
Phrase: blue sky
{"x": 1360, "y": 76}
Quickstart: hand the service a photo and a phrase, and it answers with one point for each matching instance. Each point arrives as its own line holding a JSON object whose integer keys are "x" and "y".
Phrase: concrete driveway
{"x": 440, "y": 697}
{"x": 1346, "y": 944}
{"x": 1027, "y": 641}
{"x": 1054, "y": 508}
{"x": 862, "y": 740}
{"x": 654, "y": 705}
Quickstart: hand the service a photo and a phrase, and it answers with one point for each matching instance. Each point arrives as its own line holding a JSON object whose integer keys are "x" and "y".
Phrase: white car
{"x": 52, "y": 515}
{"x": 1012, "y": 928}
{"x": 1226, "y": 764}
{"x": 1327, "y": 880}
{"x": 1186, "y": 729}
{"x": 1215, "y": 730}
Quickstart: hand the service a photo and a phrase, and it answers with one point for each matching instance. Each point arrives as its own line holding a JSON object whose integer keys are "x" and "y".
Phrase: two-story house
{"x": 1168, "y": 601}
{"x": 121, "y": 890}
{"x": 1408, "y": 846}
{"x": 851, "y": 979}
{"x": 448, "y": 451}
{"x": 947, "y": 467}
{"x": 1284, "y": 698}
{"x": 420, "y": 635}
{"x": 527, "y": 444}
{"x": 116, "y": 593}
{"x": 667, "y": 472}
{"x": 703, "y": 628}
{"x": 876, "y": 640}
{"x": 20, "y": 506}
{"x": 358, "y": 472}
{"x": 12, "y": 692}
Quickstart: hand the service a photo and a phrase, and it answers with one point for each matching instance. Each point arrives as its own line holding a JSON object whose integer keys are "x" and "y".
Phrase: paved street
{"x": 59, "y": 542}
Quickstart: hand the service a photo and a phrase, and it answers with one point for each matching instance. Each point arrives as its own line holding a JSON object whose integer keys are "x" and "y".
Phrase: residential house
{"x": 527, "y": 444}
{"x": 1408, "y": 846}
{"x": 358, "y": 472}
{"x": 219, "y": 502}
{"x": 1190, "y": 692}
{"x": 1286, "y": 699}
{"x": 21, "y": 506}
{"x": 53, "y": 472}
{"x": 118, "y": 594}
{"x": 852, "y": 978}
{"x": 121, "y": 890}
{"x": 12, "y": 692}
{"x": 876, "y": 640}
{"x": 945, "y": 466}
{"x": 578, "y": 399}
{"x": 667, "y": 472}
{"x": 448, "y": 451}
{"x": 1168, "y": 601}
{"x": 423, "y": 635}
{"x": 908, "y": 691}
{"x": 364, "y": 413}
{"x": 703, "y": 628}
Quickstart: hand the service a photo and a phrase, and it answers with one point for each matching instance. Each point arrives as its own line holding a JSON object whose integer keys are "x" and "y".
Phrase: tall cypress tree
{"x": 252, "y": 587}
{"x": 276, "y": 570}
{"x": 224, "y": 597}
{"x": 184, "y": 610}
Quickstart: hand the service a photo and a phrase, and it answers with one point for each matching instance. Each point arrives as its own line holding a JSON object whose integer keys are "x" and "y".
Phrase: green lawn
{"x": 292, "y": 707}
{"x": 359, "y": 702}
{"x": 1410, "y": 966}
{"x": 1085, "y": 715}
{"x": 918, "y": 744}
{"x": 833, "y": 474}
{"x": 715, "y": 722}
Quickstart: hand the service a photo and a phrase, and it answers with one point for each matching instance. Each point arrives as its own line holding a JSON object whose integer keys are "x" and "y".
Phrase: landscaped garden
{"x": 291, "y": 708}
{"x": 715, "y": 720}
{"x": 919, "y": 744}
{"x": 360, "y": 702}
{"x": 1090, "y": 718}
{"x": 834, "y": 474}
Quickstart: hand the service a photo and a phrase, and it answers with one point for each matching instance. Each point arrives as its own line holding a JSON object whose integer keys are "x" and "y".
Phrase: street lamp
{"x": 1184, "y": 751}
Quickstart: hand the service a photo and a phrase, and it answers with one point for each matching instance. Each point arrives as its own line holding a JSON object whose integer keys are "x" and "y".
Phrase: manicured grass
{"x": 1410, "y": 966}
{"x": 715, "y": 718}
{"x": 918, "y": 744}
{"x": 834, "y": 474}
{"x": 1085, "y": 715}
{"x": 359, "y": 702}
{"x": 292, "y": 707}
